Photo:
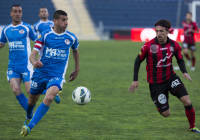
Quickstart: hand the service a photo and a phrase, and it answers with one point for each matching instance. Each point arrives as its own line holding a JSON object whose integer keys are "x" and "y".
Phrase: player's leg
{"x": 186, "y": 53}
{"x": 44, "y": 106}
{"x": 41, "y": 110}
{"x": 32, "y": 100}
{"x": 27, "y": 87}
{"x": 56, "y": 98}
{"x": 16, "y": 88}
{"x": 178, "y": 89}
{"x": 159, "y": 95}
{"x": 37, "y": 86}
{"x": 53, "y": 87}
{"x": 193, "y": 48}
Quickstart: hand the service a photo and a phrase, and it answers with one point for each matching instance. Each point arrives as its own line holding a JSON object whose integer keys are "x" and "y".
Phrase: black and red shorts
{"x": 160, "y": 92}
{"x": 190, "y": 46}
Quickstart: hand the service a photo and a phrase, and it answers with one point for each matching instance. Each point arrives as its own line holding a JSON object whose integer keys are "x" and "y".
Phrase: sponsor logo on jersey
{"x": 162, "y": 49}
{"x": 55, "y": 53}
{"x": 21, "y": 31}
{"x": 162, "y": 98}
{"x": 16, "y": 45}
{"x": 161, "y": 61}
{"x": 154, "y": 48}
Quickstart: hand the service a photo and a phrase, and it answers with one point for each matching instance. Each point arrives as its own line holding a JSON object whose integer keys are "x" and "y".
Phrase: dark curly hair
{"x": 163, "y": 23}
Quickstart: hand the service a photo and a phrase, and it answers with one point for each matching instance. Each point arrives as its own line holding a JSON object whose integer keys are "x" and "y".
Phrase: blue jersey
{"x": 41, "y": 26}
{"x": 18, "y": 38}
{"x": 56, "y": 49}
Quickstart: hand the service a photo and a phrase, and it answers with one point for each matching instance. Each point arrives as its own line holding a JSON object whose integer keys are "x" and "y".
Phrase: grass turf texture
{"x": 113, "y": 113}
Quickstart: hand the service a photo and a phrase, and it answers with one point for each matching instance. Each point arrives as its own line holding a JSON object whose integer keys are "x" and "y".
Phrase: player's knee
{"x": 48, "y": 98}
{"x": 186, "y": 100}
{"x": 16, "y": 90}
{"x": 165, "y": 113}
{"x": 28, "y": 91}
{"x": 185, "y": 51}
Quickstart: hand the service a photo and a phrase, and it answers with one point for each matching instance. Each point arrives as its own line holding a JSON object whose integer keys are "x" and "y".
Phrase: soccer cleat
{"x": 176, "y": 68}
{"x": 57, "y": 97}
{"x": 188, "y": 63}
{"x": 25, "y": 131}
{"x": 192, "y": 68}
{"x": 195, "y": 130}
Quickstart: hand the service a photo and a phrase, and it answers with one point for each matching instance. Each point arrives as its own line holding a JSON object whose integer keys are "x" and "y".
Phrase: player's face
{"x": 161, "y": 34}
{"x": 61, "y": 22}
{"x": 43, "y": 13}
{"x": 16, "y": 14}
{"x": 188, "y": 17}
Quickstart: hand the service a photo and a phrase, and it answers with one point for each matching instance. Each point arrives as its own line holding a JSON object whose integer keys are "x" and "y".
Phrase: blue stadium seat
{"x": 30, "y": 9}
{"x": 133, "y": 13}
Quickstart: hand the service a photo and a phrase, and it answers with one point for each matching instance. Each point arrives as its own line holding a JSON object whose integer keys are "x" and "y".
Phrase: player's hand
{"x": 73, "y": 75}
{"x": 37, "y": 64}
{"x": 187, "y": 76}
{"x": 133, "y": 86}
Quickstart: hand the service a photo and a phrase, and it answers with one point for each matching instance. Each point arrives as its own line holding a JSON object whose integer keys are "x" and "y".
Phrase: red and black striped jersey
{"x": 188, "y": 33}
{"x": 159, "y": 59}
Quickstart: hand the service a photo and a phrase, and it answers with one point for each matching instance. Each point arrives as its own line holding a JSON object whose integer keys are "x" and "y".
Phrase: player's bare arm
{"x": 74, "y": 74}
{"x": 33, "y": 58}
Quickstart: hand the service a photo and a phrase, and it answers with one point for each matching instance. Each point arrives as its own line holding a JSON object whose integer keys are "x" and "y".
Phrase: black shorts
{"x": 189, "y": 46}
{"x": 160, "y": 92}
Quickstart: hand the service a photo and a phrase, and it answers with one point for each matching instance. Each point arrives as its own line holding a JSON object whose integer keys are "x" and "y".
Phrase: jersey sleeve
{"x": 39, "y": 42}
{"x": 32, "y": 33}
{"x": 75, "y": 43}
{"x": 143, "y": 53}
{"x": 3, "y": 36}
{"x": 179, "y": 58}
{"x": 178, "y": 53}
{"x": 195, "y": 27}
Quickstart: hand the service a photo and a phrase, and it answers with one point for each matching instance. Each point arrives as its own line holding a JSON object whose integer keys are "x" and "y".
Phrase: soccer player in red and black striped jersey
{"x": 160, "y": 74}
{"x": 189, "y": 28}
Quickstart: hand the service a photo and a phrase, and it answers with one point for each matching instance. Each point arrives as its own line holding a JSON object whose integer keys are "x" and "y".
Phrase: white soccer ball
{"x": 81, "y": 95}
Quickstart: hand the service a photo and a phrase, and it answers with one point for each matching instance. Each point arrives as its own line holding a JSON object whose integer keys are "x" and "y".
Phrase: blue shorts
{"x": 25, "y": 76}
{"x": 39, "y": 84}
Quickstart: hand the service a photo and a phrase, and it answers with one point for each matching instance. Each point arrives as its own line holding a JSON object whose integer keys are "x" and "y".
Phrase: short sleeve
{"x": 32, "y": 33}
{"x": 178, "y": 53}
{"x": 195, "y": 27}
{"x": 143, "y": 52}
{"x": 75, "y": 44}
{"x": 3, "y": 36}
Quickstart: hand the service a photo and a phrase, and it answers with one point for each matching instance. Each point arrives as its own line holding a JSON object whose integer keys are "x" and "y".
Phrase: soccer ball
{"x": 81, "y": 95}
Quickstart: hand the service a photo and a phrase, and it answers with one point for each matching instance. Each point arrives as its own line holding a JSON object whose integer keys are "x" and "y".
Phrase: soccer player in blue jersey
{"x": 18, "y": 35}
{"x": 44, "y": 23}
{"x": 51, "y": 68}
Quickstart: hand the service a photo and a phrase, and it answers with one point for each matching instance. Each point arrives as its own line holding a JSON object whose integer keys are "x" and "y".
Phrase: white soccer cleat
{"x": 188, "y": 63}
{"x": 176, "y": 68}
{"x": 192, "y": 68}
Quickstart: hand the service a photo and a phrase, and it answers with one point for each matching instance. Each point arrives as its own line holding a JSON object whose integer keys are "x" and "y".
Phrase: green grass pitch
{"x": 114, "y": 113}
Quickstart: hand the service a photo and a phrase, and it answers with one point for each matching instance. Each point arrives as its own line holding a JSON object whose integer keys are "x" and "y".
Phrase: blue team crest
{"x": 67, "y": 41}
{"x": 21, "y": 31}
